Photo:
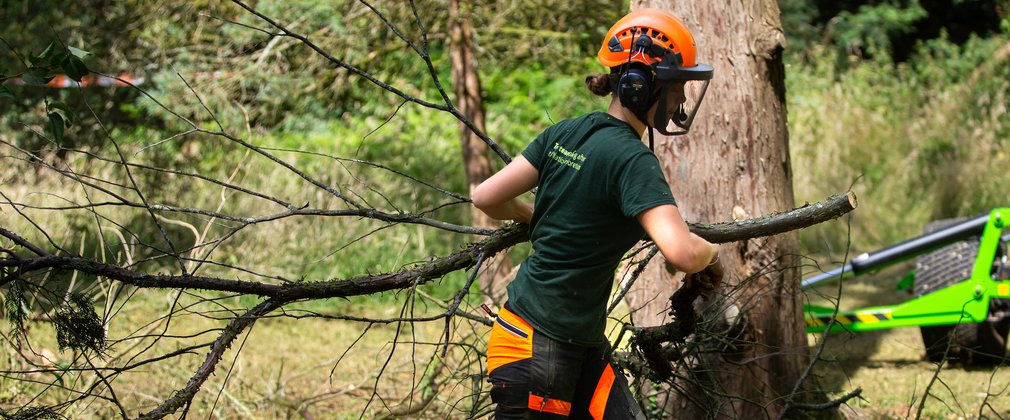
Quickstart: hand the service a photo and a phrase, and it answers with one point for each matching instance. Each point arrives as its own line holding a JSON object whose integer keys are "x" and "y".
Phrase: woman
{"x": 600, "y": 189}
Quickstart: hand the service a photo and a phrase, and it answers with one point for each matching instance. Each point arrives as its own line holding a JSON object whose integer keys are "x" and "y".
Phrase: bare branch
{"x": 835, "y": 403}
{"x": 773, "y": 224}
{"x": 22, "y": 242}
{"x": 502, "y": 239}
{"x": 185, "y": 395}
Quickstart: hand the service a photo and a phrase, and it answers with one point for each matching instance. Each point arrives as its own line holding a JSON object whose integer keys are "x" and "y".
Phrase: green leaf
{"x": 48, "y": 51}
{"x": 36, "y": 76}
{"x": 74, "y": 68}
{"x": 58, "y": 376}
{"x": 32, "y": 79}
{"x": 49, "y": 56}
{"x": 37, "y": 60}
{"x": 69, "y": 115}
{"x": 7, "y": 93}
{"x": 16, "y": 306}
{"x": 78, "y": 326}
{"x": 79, "y": 53}
{"x": 56, "y": 125}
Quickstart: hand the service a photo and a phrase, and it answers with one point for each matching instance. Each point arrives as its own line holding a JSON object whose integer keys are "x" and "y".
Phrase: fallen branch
{"x": 502, "y": 239}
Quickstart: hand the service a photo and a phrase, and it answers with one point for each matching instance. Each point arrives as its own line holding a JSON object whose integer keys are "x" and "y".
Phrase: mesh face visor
{"x": 676, "y": 84}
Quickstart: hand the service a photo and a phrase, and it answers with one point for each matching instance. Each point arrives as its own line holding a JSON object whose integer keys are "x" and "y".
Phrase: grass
{"x": 889, "y": 367}
{"x": 282, "y": 367}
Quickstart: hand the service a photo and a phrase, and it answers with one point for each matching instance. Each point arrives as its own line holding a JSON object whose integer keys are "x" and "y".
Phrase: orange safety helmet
{"x": 648, "y": 51}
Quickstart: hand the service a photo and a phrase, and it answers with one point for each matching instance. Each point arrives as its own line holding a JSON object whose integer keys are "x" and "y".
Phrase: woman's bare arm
{"x": 687, "y": 252}
{"x": 496, "y": 196}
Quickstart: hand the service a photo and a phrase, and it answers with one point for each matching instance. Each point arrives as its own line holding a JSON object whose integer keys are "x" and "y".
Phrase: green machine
{"x": 960, "y": 284}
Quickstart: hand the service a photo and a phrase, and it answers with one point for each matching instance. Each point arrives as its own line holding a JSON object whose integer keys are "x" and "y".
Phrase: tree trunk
{"x": 735, "y": 164}
{"x": 466, "y": 86}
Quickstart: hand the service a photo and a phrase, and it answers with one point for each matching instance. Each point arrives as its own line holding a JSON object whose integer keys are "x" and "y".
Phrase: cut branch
{"x": 137, "y": 278}
{"x": 773, "y": 224}
{"x": 22, "y": 242}
{"x": 362, "y": 285}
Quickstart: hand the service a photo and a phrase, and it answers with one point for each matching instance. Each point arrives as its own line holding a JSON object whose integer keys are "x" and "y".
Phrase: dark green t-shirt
{"x": 595, "y": 177}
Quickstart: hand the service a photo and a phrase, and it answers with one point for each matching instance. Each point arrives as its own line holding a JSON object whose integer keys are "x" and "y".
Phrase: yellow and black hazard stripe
{"x": 821, "y": 320}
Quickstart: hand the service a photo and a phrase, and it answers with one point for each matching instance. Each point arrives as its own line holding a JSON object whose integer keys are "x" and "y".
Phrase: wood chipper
{"x": 960, "y": 286}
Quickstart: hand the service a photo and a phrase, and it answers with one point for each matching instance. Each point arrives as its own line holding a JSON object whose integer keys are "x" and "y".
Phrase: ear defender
{"x": 634, "y": 88}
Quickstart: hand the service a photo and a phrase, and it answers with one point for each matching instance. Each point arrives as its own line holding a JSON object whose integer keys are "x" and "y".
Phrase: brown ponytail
{"x": 599, "y": 84}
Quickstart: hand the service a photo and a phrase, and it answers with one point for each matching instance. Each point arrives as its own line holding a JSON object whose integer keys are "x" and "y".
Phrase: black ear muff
{"x": 634, "y": 89}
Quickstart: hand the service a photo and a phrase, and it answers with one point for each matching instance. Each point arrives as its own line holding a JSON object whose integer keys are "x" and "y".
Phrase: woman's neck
{"x": 624, "y": 114}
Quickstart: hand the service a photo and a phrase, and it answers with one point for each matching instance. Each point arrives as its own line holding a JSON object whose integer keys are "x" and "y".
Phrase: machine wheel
{"x": 972, "y": 344}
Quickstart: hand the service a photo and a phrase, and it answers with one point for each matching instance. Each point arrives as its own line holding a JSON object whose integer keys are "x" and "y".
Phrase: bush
{"x": 915, "y": 140}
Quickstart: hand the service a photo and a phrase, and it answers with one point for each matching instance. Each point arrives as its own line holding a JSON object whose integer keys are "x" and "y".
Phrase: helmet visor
{"x": 678, "y": 104}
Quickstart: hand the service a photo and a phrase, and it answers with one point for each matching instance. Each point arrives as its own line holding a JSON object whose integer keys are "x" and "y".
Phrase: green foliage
{"x": 190, "y": 52}
{"x": 7, "y": 94}
{"x": 523, "y": 102}
{"x": 57, "y": 119}
{"x": 78, "y": 326}
{"x": 886, "y": 30}
{"x": 16, "y": 306}
{"x": 799, "y": 23}
{"x": 654, "y": 409}
{"x": 917, "y": 141}
{"x": 40, "y": 69}
{"x": 260, "y": 73}
{"x": 26, "y": 413}
{"x": 872, "y": 26}
{"x": 556, "y": 35}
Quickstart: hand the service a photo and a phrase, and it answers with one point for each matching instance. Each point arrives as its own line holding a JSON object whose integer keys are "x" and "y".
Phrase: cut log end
{"x": 853, "y": 202}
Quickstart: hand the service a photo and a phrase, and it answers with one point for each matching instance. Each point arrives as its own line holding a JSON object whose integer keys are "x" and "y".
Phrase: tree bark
{"x": 466, "y": 86}
{"x": 735, "y": 165}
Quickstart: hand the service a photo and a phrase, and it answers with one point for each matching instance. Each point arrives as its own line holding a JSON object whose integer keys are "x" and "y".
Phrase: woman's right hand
{"x": 708, "y": 279}
{"x": 713, "y": 274}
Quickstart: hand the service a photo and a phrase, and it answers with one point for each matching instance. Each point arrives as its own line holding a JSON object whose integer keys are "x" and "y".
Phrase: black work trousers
{"x": 535, "y": 377}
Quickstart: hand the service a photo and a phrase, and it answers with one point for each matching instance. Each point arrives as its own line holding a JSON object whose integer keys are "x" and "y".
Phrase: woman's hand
{"x": 709, "y": 279}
